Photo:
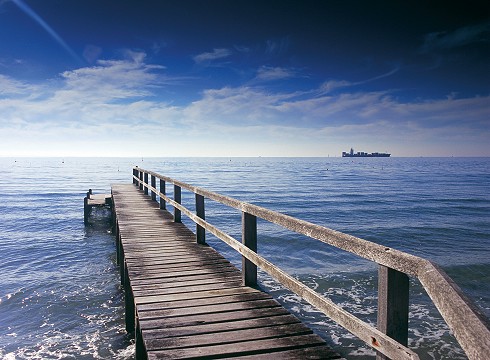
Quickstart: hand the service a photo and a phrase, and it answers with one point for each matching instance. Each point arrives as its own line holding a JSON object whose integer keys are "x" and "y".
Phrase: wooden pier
{"x": 94, "y": 200}
{"x": 184, "y": 300}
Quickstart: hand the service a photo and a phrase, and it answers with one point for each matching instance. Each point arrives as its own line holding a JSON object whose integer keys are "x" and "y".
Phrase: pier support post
{"x": 249, "y": 239}
{"x": 140, "y": 351}
{"x": 200, "y": 231}
{"x": 86, "y": 207}
{"x": 393, "y": 292}
{"x": 146, "y": 183}
{"x": 129, "y": 304}
{"x": 141, "y": 180}
{"x": 135, "y": 174}
{"x": 178, "y": 200}
{"x": 153, "y": 185}
{"x": 86, "y": 210}
{"x": 163, "y": 204}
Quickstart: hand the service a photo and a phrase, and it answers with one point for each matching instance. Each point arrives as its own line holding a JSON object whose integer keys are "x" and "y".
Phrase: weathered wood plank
{"x": 227, "y": 337}
{"x": 208, "y": 309}
{"x": 195, "y": 279}
{"x": 239, "y": 348}
{"x": 225, "y": 299}
{"x": 220, "y": 327}
{"x": 188, "y": 289}
{"x": 314, "y": 352}
{"x": 189, "y": 320}
{"x": 200, "y": 295}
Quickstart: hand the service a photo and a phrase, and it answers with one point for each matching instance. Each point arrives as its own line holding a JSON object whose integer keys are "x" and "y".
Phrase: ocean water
{"x": 59, "y": 288}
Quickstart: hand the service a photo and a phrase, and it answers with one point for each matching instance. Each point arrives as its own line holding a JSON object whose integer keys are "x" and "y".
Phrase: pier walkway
{"x": 184, "y": 300}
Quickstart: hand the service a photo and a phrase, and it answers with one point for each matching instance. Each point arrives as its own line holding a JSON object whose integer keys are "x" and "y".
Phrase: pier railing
{"x": 469, "y": 325}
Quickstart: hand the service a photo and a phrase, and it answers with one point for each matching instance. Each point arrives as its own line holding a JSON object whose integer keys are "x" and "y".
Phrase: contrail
{"x": 26, "y": 9}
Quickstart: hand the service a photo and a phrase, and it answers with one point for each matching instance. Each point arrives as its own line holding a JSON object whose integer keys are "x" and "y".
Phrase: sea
{"x": 60, "y": 296}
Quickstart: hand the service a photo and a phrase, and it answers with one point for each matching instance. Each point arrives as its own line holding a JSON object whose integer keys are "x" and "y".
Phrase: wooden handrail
{"x": 469, "y": 325}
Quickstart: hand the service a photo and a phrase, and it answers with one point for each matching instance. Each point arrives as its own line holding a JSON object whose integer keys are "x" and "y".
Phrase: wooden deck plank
{"x": 189, "y": 300}
{"x": 227, "y": 337}
{"x": 249, "y": 347}
{"x": 189, "y": 320}
{"x": 314, "y": 352}
{"x": 225, "y": 299}
{"x": 217, "y": 328}
{"x": 208, "y": 309}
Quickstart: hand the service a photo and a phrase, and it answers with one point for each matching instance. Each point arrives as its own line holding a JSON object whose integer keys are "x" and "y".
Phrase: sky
{"x": 244, "y": 78}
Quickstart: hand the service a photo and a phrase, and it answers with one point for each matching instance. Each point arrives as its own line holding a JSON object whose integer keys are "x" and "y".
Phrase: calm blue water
{"x": 59, "y": 288}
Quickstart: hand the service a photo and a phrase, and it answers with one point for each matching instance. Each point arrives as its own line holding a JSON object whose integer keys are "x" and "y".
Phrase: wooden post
{"x": 129, "y": 304}
{"x": 200, "y": 231}
{"x": 141, "y": 180}
{"x": 153, "y": 184}
{"x": 178, "y": 200}
{"x": 122, "y": 262}
{"x": 146, "y": 183}
{"x": 249, "y": 239}
{"x": 140, "y": 351}
{"x": 393, "y": 292}
{"x": 163, "y": 204}
{"x": 118, "y": 246}
{"x": 86, "y": 210}
{"x": 135, "y": 173}
{"x": 113, "y": 216}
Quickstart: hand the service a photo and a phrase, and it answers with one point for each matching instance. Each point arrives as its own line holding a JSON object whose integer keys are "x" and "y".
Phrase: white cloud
{"x": 331, "y": 85}
{"x": 9, "y": 86}
{"x": 267, "y": 73}
{"x": 117, "y": 103}
{"x": 211, "y": 56}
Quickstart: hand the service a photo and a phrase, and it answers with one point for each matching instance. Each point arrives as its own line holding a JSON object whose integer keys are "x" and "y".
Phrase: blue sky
{"x": 244, "y": 78}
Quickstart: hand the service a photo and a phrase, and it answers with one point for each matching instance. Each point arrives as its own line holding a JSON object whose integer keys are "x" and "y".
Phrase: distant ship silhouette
{"x": 351, "y": 153}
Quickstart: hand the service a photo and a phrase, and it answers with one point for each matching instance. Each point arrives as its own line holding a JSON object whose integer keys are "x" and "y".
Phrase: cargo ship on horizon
{"x": 351, "y": 153}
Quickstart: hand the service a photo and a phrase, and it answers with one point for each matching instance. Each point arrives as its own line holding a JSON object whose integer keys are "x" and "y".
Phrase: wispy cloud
{"x": 208, "y": 57}
{"x": 277, "y": 46}
{"x": 332, "y": 85}
{"x": 267, "y": 73}
{"x": 9, "y": 86}
{"x": 459, "y": 37}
